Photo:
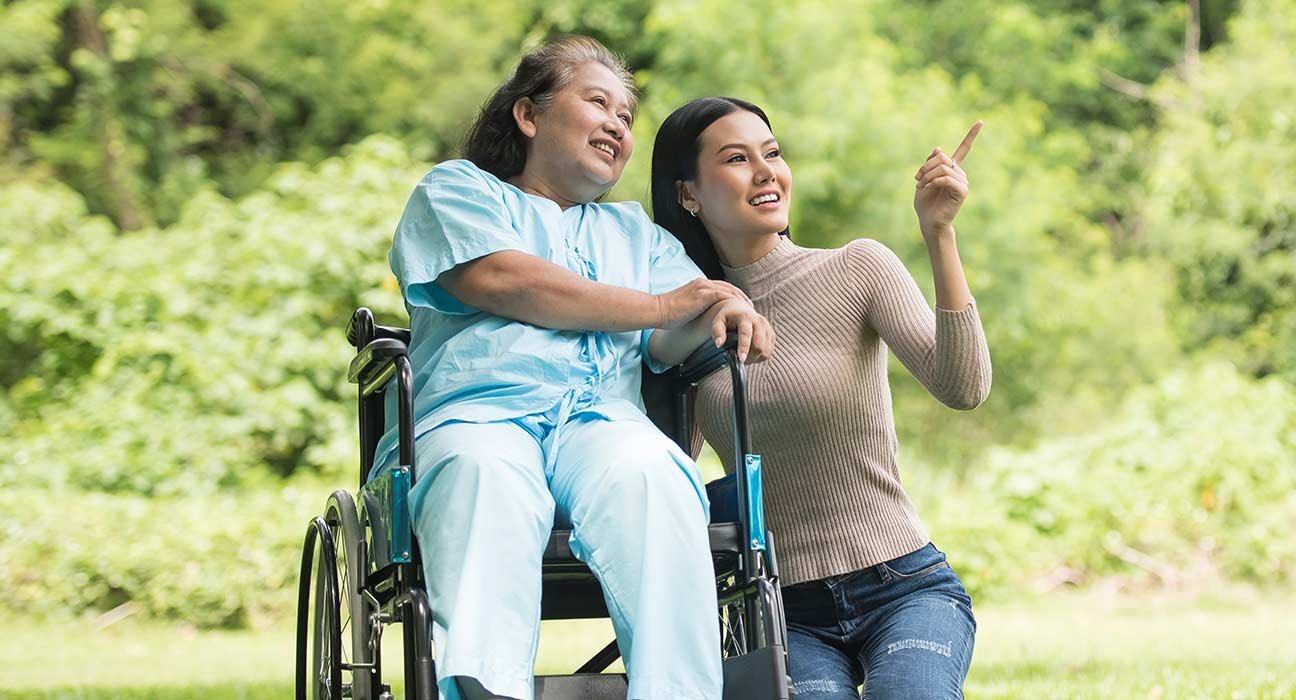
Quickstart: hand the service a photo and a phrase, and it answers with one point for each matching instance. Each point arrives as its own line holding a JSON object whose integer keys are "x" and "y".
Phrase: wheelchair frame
{"x": 361, "y": 568}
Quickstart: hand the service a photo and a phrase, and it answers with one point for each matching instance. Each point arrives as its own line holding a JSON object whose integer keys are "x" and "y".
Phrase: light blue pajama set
{"x": 517, "y": 424}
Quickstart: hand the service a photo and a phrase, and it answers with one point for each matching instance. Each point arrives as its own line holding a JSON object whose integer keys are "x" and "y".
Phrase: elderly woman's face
{"x": 582, "y": 141}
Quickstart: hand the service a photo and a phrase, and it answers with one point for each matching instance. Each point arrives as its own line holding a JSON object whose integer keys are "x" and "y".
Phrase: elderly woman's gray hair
{"x": 494, "y": 142}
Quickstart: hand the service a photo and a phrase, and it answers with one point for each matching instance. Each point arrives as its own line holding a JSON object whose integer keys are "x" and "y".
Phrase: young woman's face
{"x": 743, "y": 187}
{"x": 582, "y": 141}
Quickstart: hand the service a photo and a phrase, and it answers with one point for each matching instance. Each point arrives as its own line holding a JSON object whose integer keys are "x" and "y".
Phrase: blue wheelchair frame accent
{"x": 392, "y": 486}
{"x": 755, "y": 502}
{"x": 400, "y": 528}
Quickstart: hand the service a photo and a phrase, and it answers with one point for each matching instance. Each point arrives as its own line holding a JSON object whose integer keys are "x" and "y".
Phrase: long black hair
{"x": 675, "y": 158}
{"x": 494, "y": 143}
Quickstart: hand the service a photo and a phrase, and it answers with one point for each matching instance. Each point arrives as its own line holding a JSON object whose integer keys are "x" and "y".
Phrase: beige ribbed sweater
{"x": 821, "y": 407}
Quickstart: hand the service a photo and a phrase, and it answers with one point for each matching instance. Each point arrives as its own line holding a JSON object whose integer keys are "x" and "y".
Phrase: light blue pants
{"x": 483, "y": 506}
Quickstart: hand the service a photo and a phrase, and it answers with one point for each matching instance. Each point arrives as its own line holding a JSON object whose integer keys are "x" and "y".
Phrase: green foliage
{"x": 1192, "y": 478}
{"x": 205, "y": 355}
{"x": 195, "y": 196}
{"x": 141, "y": 105}
{"x": 995, "y": 556}
{"x": 1199, "y": 466}
{"x": 1220, "y": 205}
{"x": 228, "y": 560}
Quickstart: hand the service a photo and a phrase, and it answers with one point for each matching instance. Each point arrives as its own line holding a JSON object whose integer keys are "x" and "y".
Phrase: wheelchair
{"x": 361, "y": 566}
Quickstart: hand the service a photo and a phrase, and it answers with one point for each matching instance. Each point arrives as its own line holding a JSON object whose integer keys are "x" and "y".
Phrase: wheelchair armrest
{"x": 393, "y": 333}
{"x": 705, "y": 360}
{"x": 362, "y": 329}
{"x": 375, "y": 360}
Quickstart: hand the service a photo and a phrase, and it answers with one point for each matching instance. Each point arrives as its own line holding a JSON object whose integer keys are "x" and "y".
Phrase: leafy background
{"x": 194, "y": 196}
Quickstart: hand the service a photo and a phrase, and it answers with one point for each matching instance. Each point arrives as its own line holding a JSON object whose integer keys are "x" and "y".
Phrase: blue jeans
{"x": 903, "y": 629}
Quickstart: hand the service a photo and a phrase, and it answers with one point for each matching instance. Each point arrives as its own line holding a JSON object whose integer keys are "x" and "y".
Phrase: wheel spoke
{"x": 732, "y": 630}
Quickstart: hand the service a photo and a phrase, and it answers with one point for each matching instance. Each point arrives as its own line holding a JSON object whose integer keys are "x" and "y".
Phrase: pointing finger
{"x": 961, "y": 152}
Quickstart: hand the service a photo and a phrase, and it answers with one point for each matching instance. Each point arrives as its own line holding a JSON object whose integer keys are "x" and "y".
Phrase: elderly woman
{"x": 532, "y": 308}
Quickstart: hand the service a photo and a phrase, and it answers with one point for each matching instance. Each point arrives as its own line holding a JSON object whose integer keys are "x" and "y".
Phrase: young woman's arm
{"x": 945, "y": 350}
{"x": 952, "y": 293}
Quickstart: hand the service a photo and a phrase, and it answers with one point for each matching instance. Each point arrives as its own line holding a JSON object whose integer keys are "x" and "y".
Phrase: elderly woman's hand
{"x": 683, "y": 304}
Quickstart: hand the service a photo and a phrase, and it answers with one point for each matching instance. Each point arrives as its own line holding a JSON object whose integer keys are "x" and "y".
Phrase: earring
{"x": 690, "y": 211}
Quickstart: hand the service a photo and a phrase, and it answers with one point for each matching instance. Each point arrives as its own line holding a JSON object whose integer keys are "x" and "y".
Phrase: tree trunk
{"x": 110, "y": 136}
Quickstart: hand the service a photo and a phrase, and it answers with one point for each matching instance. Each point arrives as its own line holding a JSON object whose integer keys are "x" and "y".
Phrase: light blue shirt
{"x": 476, "y": 367}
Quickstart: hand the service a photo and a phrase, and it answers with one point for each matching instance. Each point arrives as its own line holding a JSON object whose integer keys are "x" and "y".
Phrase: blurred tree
{"x": 1218, "y": 199}
{"x": 138, "y": 105}
{"x": 180, "y": 240}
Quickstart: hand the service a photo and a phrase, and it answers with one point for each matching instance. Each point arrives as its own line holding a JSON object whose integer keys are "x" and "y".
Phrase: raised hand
{"x": 942, "y": 186}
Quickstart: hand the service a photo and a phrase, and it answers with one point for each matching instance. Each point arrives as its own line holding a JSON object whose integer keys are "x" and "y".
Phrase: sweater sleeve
{"x": 944, "y": 350}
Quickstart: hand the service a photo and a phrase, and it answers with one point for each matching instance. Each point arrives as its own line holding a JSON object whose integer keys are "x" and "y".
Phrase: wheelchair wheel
{"x": 733, "y": 628}
{"x": 341, "y": 656}
{"x": 751, "y": 618}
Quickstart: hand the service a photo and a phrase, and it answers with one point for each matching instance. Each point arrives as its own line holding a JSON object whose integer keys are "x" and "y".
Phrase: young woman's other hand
{"x": 942, "y": 187}
{"x": 755, "y": 335}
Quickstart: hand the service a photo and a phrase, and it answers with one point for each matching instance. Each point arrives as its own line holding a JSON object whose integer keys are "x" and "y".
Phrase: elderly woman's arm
{"x": 527, "y": 288}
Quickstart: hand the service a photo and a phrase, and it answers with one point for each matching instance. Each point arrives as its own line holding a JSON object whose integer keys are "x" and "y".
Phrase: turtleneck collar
{"x": 761, "y": 276}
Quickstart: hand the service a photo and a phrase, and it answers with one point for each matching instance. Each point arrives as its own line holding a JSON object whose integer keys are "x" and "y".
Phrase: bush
{"x": 223, "y": 561}
{"x": 205, "y": 356}
{"x": 1202, "y": 464}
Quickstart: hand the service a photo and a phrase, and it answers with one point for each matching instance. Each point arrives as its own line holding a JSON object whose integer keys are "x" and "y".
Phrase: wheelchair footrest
{"x": 758, "y": 675}
{"x": 582, "y": 686}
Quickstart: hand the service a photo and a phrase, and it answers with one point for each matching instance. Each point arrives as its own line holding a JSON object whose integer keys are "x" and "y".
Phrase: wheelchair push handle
{"x": 748, "y": 477}
{"x": 383, "y": 355}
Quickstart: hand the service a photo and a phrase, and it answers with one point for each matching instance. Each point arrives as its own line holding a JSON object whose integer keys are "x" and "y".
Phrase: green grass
{"x": 1094, "y": 645}
{"x": 1234, "y": 644}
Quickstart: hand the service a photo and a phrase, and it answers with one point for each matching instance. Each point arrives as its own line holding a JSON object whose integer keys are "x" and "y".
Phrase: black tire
{"x": 335, "y": 659}
{"x": 359, "y": 673}
{"x": 326, "y": 661}
{"x": 319, "y": 670}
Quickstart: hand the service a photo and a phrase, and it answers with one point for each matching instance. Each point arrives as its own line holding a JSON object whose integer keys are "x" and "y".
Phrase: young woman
{"x": 869, "y": 599}
{"x": 532, "y": 309}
